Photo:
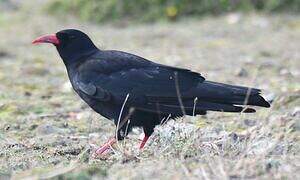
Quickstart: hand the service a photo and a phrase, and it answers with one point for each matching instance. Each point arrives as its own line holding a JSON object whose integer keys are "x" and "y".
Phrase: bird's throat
{"x": 71, "y": 59}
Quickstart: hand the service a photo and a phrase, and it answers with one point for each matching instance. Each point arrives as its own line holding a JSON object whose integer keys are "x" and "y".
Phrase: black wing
{"x": 113, "y": 75}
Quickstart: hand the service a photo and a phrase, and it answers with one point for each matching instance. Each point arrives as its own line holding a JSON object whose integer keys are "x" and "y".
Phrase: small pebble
{"x": 296, "y": 112}
{"x": 242, "y": 72}
{"x": 249, "y": 122}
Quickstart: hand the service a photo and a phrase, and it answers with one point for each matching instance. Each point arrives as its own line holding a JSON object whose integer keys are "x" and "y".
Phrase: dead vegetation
{"x": 47, "y": 132}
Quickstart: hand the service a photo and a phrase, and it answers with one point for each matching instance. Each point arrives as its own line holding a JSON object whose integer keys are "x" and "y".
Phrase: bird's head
{"x": 71, "y": 44}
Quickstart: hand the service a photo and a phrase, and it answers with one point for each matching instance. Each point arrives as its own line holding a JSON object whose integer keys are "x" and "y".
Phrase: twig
{"x": 178, "y": 93}
{"x": 194, "y": 108}
{"x": 249, "y": 91}
{"x": 120, "y": 116}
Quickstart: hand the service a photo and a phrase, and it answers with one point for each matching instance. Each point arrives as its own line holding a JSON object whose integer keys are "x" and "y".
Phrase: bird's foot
{"x": 104, "y": 148}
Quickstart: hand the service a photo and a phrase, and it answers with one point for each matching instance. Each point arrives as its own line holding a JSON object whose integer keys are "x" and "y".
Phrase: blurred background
{"x": 46, "y": 131}
{"x": 157, "y": 10}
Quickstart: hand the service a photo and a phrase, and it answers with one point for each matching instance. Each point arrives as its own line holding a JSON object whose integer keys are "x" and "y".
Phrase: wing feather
{"x": 145, "y": 81}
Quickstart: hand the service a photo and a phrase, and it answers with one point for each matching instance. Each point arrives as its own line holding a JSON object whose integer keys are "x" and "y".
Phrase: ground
{"x": 48, "y": 132}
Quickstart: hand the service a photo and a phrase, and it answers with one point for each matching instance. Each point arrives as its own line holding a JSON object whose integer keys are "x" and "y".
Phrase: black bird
{"x": 135, "y": 92}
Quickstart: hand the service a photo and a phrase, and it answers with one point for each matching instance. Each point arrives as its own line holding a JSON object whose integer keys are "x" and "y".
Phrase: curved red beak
{"x": 47, "y": 39}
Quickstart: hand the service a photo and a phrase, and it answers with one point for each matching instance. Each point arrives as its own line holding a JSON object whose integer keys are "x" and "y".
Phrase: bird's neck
{"x": 74, "y": 59}
{"x": 72, "y": 64}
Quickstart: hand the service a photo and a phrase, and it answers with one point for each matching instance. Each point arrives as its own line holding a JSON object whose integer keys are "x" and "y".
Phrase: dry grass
{"x": 47, "y": 132}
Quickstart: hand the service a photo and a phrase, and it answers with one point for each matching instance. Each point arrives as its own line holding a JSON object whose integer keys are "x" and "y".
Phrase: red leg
{"x": 106, "y": 146}
{"x": 144, "y": 142}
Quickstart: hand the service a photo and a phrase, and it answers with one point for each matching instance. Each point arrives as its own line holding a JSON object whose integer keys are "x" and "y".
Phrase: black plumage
{"x": 108, "y": 80}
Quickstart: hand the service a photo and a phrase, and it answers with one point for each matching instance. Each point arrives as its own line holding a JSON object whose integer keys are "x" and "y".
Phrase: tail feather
{"x": 200, "y": 108}
{"x": 211, "y": 96}
{"x": 257, "y": 100}
{"x": 230, "y": 94}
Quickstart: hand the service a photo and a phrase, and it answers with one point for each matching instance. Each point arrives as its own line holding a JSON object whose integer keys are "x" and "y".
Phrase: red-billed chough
{"x": 121, "y": 86}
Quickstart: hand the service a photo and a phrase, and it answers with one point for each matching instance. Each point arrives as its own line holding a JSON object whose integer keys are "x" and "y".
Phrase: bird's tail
{"x": 228, "y": 98}
{"x": 210, "y": 96}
